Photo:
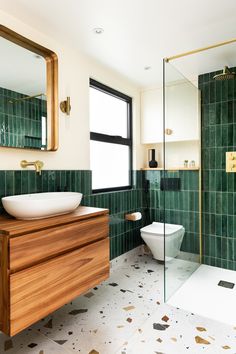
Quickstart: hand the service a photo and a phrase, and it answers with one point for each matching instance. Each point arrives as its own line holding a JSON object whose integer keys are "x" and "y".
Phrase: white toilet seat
{"x": 153, "y": 235}
{"x": 159, "y": 228}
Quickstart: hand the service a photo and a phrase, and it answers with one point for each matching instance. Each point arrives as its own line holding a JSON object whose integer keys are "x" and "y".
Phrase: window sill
{"x": 110, "y": 190}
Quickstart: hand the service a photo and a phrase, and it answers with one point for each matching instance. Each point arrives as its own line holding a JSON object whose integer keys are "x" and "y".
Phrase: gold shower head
{"x": 226, "y": 75}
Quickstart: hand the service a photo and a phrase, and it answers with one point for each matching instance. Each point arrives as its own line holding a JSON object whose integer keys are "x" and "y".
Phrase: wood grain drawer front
{"x": 31, "y": 249}
{"x": 37, "y": 291}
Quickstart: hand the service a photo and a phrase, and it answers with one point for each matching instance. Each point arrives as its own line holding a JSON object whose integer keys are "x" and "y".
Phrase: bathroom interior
{"x": 117, "y": 188}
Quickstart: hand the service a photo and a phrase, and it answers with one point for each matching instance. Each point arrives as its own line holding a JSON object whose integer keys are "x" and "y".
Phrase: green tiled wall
{"x": 219, "y": 187}
{"x": 181, "y": 207}
{"x": 124, "y": 235}
{"x": 20, "y": 122}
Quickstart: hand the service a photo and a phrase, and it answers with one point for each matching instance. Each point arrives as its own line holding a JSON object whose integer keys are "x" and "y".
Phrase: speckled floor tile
{"x": 28, "y": 342}
{"x": 172, "y": 330}
{"x": 105, "y": 317}
{"x": 125, "y": 315}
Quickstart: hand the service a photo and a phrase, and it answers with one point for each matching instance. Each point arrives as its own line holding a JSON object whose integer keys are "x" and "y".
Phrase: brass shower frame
{"x": 181, "y": 55}
{"x": 25, "y": 98}
{"x": 195, "y": 51}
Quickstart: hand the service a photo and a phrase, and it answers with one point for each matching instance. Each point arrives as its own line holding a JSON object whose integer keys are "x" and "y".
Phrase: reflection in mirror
{"x": 28, "y": 93}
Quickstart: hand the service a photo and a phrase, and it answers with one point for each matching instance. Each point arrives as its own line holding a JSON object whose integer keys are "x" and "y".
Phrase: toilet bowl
{"x": 153, "y": 236}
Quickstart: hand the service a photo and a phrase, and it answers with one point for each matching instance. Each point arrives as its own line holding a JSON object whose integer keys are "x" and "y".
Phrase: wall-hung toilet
{"x": 153, "y": 236}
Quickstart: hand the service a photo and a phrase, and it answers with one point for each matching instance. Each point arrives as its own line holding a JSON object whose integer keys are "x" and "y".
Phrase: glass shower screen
{"x": 181, "y": 181}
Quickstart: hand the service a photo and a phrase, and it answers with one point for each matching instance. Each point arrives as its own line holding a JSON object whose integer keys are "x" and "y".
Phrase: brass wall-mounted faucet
{"x": 37, "y": 164}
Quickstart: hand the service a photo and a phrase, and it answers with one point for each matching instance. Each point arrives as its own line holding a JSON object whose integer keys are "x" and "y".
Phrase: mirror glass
{"x": 28, "y": 94}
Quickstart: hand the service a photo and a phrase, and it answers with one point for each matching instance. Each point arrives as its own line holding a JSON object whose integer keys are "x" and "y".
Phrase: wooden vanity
{"x": 47, "y": 263}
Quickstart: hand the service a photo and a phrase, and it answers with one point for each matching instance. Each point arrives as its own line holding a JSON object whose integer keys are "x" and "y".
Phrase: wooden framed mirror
{"x": 28, "y": 93}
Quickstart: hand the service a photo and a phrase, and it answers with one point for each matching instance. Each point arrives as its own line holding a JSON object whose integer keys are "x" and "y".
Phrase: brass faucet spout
{"x": 38, "y": 165}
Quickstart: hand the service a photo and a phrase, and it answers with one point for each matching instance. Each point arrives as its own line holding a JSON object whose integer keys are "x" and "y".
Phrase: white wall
{"x": 175, "y": 153}
{"x": 182, "y": 112}
{"x": 182, "y": 117}
{"x": 74, "y": 72}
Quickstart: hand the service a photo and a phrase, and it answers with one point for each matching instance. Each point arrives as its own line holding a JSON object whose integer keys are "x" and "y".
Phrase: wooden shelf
{"x": 152, "y": 169}
{"x": 171, "y": 169}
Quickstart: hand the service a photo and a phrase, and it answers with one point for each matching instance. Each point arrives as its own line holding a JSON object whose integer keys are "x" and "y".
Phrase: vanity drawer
{"x": 36, "y": 247}
{"x": 37, "y": 291}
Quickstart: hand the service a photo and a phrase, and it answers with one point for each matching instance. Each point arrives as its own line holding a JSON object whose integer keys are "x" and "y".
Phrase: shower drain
{"x": 226, "y": 284}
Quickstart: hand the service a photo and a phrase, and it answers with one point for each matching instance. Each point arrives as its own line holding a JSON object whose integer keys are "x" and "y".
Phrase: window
{"x": 110, "y": 138}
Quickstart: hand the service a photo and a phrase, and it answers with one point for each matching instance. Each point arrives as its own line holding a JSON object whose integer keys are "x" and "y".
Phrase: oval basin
{"x": 41, "y": 205}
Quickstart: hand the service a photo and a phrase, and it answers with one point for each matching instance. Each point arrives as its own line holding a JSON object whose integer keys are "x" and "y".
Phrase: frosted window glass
{"x": 108, "y": 114}
{"x": 109, "y": 164}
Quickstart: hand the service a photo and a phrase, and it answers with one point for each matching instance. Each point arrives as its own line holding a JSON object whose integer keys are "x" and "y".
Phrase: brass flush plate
{"x": 231, "y": 161}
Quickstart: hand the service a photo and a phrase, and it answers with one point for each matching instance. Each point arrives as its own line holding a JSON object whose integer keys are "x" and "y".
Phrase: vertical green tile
{"x": 219, "y": 247}
{"x": 44, "y": 181}
{"x": 17, "y": 182}
{"x": 230, "y": 250}
{"x": 9, "y": 184}
{"x": 32, "y": 182}
{"x": 2, "y": 187}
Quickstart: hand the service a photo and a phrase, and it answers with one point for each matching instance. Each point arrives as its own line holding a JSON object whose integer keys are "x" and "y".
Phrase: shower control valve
{"x": 231, "y": 161}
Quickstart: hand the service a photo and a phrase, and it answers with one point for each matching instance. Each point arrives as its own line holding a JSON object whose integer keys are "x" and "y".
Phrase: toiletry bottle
{"x": 152, "y": 158}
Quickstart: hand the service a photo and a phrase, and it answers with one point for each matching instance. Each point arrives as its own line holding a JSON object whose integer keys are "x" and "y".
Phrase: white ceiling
{"x": 137, "y": 33}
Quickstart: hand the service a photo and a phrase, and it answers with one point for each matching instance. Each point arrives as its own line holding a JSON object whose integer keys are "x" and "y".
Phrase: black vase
{"x": 152, "y": 158}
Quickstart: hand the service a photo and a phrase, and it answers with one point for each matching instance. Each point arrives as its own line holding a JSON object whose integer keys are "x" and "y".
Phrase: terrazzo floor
{"x": 124, "y": 315}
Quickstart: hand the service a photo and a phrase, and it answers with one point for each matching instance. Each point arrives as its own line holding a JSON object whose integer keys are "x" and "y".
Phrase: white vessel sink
{"x": 41, "y": 205}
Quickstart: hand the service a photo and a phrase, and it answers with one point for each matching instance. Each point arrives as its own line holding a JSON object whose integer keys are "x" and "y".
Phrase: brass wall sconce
{"x": 65, "y": 106}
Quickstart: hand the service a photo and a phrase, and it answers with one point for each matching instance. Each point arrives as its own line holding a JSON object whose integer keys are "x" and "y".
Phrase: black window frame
{"x": 115, "y": 139}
